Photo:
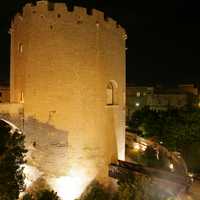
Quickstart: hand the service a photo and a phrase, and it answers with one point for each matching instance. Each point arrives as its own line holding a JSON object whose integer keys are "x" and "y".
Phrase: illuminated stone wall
{"x": 61, "y": 64}
{"x": 13, "y": 113}
{"x": 4, "y": 94}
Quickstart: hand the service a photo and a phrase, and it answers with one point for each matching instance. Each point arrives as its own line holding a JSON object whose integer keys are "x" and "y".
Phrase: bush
{"x": 12, "y": 154}
{"x": 41, "y": 195}
{"x": 140, "y": 187}
{"x": 133, "y": 187}
{"x": 95, "y": 191}
{"x": 47, "y": 195}
{"x": 27, "y": 196}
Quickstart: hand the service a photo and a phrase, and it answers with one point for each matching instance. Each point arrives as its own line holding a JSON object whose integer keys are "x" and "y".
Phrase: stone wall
{"x": 61, "y": 63}
{"x": 4, "y": 94}
{"x": 12, "y": 113}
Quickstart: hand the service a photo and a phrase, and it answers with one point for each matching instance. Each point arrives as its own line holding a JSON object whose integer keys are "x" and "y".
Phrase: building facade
{"x": 137, "y": 98}
{"x": 160, "y": 98}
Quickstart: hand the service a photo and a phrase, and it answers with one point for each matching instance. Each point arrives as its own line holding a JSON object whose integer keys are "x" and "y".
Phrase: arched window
{"x": 111, "y": 93}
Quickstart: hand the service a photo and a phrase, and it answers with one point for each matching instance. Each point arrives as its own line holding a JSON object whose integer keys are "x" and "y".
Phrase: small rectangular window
{"x": 0, "y": 94}
{"x": 20, "y": 48}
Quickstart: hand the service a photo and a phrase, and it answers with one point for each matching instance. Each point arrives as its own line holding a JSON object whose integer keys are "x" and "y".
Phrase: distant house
{"x": 159, "y": 98}
{"x": 136, "y": 98}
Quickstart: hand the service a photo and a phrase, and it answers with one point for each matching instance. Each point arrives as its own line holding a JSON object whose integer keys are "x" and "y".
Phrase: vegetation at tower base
{"x": 176, "y": 129}
{"x": 42, "y": 195}
{"x": 130, "y": 187}
{"x": 40, "y": 190}
{"x": 12, "y": 153}
{"x": 96, "y": 191}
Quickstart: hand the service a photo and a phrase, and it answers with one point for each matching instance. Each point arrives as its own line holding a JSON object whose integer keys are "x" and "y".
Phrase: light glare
{"x": 72, "y": 186}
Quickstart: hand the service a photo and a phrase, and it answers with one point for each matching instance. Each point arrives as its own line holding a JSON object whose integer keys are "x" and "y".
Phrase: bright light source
{"x": 72, "y": 186}
{"x": 137, "y": 104}
{"x": 138, "y": 94}
{"x": 171, "y": 166}
{"x": 139, "y": 147}
{"x": 31, "y": 175}
{"x": 136, "y": 146}
{"x": 190, "y": 174}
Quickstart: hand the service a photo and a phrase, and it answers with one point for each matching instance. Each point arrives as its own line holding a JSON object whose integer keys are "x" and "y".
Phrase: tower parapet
{"x": 80, "y": 15}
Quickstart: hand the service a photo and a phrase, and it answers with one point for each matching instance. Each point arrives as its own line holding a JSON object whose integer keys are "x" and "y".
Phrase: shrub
{"x": 95, "y": 191}
{"x": 47, "y": 195}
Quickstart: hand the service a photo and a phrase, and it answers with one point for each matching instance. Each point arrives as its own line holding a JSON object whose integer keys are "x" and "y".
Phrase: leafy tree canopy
{"x": 47, "y": 195}
{"x": 44, "y": 194}
{"x": 177, "y": 129}
{"x": 12, "y": 152}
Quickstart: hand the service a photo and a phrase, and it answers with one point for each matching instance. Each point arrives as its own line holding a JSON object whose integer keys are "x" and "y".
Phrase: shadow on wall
{"x": 47, "y": 145}
{"x": 16, "y": 119}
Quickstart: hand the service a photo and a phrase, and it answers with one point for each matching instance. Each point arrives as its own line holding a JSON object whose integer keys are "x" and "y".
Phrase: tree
{"x": 177, "y": 129}
{"x": 96, "y": 191}
{"x": 47, "y": 195}
{"x": 27, "y": 196}
{"x": 12, "y": 153}
{"x": 140, "y": 187}
{"x": 44, "y": 194}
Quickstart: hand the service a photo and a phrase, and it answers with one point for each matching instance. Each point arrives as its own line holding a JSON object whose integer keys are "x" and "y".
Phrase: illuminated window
{"x": 137, "y": 104}
{"x": 138, "y": 94}
{"x": 22, "y": 97}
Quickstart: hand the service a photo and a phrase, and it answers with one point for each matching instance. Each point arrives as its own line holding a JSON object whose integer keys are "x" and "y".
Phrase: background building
{"x": 137, "y": 98}
{"x": 160, "y": 98}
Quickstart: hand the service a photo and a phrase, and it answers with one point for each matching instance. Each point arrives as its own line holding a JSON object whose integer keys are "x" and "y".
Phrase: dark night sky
{"x": 163, "y": 38}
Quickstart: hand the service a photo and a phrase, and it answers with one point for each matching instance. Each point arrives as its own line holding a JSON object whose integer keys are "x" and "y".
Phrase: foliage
{"x": 177, "y": 129}
{"x": 130, "y": 187}
{"x": 149, "y": 158}
{"x": 44, "y": 194}
{"x": 47, "y": 195}
{"x": 139, "y": 187}
{"x": 96, "y": 191}
{"x": 12, "y": 152}
{"x": 27, "y": 196}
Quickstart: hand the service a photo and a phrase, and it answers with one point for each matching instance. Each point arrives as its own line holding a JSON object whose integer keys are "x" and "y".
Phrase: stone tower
{"x": 68, "y": 72}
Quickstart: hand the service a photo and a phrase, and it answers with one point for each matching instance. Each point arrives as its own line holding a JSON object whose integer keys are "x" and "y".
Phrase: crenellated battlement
{"x": 63, "y": 11}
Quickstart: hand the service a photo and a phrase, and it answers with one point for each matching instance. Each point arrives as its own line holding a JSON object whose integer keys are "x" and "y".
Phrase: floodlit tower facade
{"x": 68, "y": 70}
